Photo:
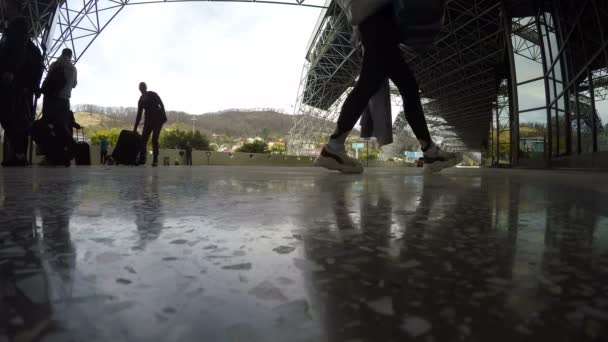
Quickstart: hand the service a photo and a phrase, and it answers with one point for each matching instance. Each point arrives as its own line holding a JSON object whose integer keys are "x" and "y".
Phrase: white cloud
{"x": 199, "y": 57}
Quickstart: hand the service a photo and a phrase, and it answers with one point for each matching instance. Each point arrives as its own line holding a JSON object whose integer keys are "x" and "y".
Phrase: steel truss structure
{"x": 469, "y": 80}
{"x": 76, "y": 24}
{"x": 457, "y": 77}
{"x": 568, "y": 40}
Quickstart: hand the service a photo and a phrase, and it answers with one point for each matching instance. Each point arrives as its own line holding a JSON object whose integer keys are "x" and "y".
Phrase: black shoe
{"x": 154, "y": 164}
{"x": 435, "y": 160}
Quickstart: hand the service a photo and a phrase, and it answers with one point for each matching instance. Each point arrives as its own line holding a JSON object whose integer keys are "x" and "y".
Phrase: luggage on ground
{"x": 128, "y": 148}
{"x": 46, "y": 135}
{"x": 82, "y": 153}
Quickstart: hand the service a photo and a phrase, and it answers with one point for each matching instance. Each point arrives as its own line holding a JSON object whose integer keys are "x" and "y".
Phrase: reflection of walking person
{"x": 103, "y": 147}
{"x": 155, "y": 118}
{"x": 188, "y": 154}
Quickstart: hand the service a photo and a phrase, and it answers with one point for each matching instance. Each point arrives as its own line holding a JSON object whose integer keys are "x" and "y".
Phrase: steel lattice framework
{"x": 76, "y": 24}
{"x": 457, "y": 76}
{"x": 462, "y": 78}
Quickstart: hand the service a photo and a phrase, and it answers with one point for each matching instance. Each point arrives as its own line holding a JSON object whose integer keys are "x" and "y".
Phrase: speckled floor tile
{"x": 279, "y": 254}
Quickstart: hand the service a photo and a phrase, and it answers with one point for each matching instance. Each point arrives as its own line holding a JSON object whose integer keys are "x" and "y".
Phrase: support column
{"x": 513, "y": 95}
{"x": 549, "y": 135}
{"x": 593, "y": 112}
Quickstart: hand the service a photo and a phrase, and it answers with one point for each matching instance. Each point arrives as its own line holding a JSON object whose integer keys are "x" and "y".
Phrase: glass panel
{"x": 533, "y": 134}
{"x": 602, "y": 124}
{"x": 504, "y": 128}
{"x": 574, "y": 124}
{"x": 586, "y": 123}
{"x": 532, "y": 95}
{"x": 527, "y": 69}
{"x": 554, "y": 131}
{"x": 558, "y": 132}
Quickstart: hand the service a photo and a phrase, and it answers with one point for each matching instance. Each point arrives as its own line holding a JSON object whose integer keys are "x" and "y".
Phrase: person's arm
{"x": 139, "y": 111}
{"x": 38, "y": 73}
{"x": 75, "y": 77}
{"x": 162, "y": 106}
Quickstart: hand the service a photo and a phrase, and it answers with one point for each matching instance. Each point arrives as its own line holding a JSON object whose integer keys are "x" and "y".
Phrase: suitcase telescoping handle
{"x": 78, "y": 135}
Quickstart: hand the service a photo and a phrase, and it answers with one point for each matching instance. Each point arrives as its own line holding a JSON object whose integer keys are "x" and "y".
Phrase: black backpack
{"x": 54, "y": 82}
{"x": 419, "y": 22}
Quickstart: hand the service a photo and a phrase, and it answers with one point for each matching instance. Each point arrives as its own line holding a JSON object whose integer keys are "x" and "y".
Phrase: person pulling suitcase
{"x": 155, "y": 117}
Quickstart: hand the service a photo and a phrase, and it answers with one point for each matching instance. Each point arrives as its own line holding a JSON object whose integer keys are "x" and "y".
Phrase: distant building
{"x": 532, "y": 144}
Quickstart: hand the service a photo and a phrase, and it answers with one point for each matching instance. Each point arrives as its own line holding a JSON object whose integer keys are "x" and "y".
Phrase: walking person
{"x": 103, "y": 148}
{"x": 188, "y": 153}
{"x": 155, "y": 118}
{"x": 382, "y": 58}
{"x": 21, "y": 68}
{"x": 57, "y": 88}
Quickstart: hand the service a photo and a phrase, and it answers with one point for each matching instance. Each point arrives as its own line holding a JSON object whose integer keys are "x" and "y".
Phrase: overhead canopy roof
{"x": 459, "y": 77}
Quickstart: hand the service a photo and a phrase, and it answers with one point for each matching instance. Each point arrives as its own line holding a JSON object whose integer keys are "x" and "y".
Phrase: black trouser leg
{"x": 382, "y": 58}
{"x": 377, "y": 36}
{"x": 373, "y": 73}
{"x": 154, "y": 130}
{"x": 402, "y": 76}
{"x": 16, "y": 119}
{"x": 155, "y": 137}
{"x": 145, "y": 136}
{"x": 57, "y": 112}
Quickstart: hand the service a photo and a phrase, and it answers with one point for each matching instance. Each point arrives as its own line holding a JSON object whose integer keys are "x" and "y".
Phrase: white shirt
{"x": 71, "y": 76}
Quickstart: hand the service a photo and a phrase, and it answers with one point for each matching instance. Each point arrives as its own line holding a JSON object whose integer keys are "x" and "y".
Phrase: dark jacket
{"x": 153, "y": 107}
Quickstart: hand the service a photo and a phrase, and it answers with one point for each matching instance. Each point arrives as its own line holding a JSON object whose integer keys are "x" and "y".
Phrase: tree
{"x": 178, "y": 139}
{"x": 372, "y": 156}
{"x": 278, "y": 148}
{"x": 254, "y": 147}
{"x": 110, "y": 134}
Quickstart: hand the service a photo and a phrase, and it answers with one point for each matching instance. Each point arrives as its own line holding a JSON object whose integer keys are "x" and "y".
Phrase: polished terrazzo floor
{"x": 279, "y": 254}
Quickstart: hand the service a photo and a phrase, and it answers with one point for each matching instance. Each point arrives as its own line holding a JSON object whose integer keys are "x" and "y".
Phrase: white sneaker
{"x": 338, "y": 161}
{"x": 436, "y": 159}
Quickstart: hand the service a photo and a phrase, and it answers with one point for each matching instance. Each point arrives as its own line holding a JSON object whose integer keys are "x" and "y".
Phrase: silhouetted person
{"x": 188, "y": 153}
{"x": 103, "y": 148}
{"x": 57, "y": 88}
{"x": 155, "y": 118}
{"x": 382, "y": 59}
{"x": 21, "y": 68}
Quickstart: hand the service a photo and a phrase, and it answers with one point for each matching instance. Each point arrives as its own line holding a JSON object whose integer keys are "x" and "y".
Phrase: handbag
{"x": 419, "y": 21}
{"x": 359, "y": 10}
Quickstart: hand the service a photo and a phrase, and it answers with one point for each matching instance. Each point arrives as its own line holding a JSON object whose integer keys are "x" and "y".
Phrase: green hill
{"x": 267, "y": 124}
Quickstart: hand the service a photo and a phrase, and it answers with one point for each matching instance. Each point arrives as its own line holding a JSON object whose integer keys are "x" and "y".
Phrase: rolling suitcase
{"x": 128, "y": 148}
{"x": 82, "y": 153}
{"x": 46, "y": 136}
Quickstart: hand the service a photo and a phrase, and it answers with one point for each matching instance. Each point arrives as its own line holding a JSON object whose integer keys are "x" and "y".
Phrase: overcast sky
{"x": 200, "y": 57}
{"x": 206, "y": 56}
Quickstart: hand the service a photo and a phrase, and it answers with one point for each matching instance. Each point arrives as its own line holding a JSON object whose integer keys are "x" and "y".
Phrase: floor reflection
{"x": 225, "y": 254}
{"x": 147, "y": 207}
